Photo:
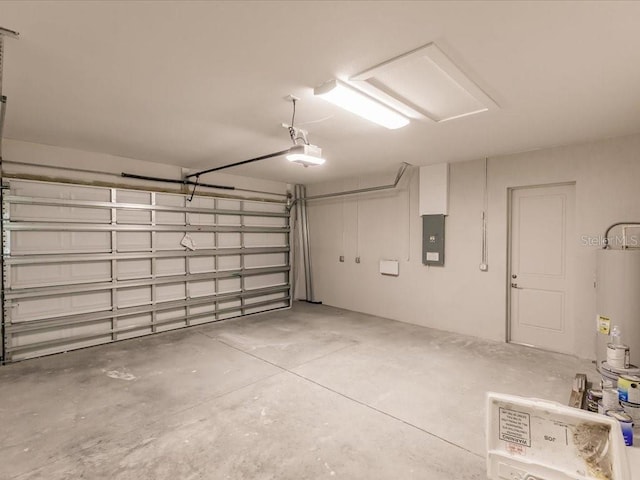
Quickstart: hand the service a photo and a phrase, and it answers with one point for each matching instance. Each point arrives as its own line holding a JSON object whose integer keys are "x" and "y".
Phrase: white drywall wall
{"x": 459, "y": 297}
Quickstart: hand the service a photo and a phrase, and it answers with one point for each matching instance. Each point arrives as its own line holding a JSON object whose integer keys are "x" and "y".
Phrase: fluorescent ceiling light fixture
{"x": 425, "y": 84}
{"x": 361, "y": 104}
{"x": 307, "y": 155}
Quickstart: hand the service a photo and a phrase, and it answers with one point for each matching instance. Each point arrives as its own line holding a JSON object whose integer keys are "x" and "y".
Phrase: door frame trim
{"x": 510, "y": 190}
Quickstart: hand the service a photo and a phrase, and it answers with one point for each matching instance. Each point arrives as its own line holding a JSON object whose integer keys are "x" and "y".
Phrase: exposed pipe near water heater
{"x": 611, "y": 227}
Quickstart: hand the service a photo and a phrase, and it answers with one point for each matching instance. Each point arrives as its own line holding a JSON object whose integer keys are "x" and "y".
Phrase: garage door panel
{"x": 134, "y": 217}
{"x": 260, "y": 308}
{"x": 203, "y": 202}
{"x": 204, "y": 309}
{"x": 170, "y": 266}
{"x": 24, "y": 276}
{"x": 170, "y": 200}
{"x": 229, "y": 262}
{"x": 133, "y": 333}
{"x": 59, "y": 191}
{"x": 132, "y": 269}
{"x": 133, "y": 241}
{"x": 169, "y": 240}
{"x": 38, "y": 242}
{"x": 172, "y": 291}
{"x": 144, "y": 320}
{"x": 264, "y": 298}
{"x": 202, "y": 264}
{"x": 199, "y": 320}
{"x": 55, "y": 342}
{"x": 24, "y": 243}
{"x": 47, "y": 213}
{"x": 134, "y": 326}
{"x": 229, "y": 285}
{"x": 171, "y": 319}
{"x": 59, "y": 298}
{"x": 171, "y": 314}
{"x": 203, "y": 240}
{"x": 202, "y": 288}
{"x": 230, "y": 220}
{"x": 229, "y": 204}
{"x": 226, "y": 240}
{"x": 89, "y": 241}
{"x": 88, "y": 329}
{"x": 265, "y": 260}
{"x": 134, "y": 196}
{"x": 165, "y": 327}
{"x": 135, "y": 296}
{"x": 266, "y": 207}
{"x": 261, "y": 281}
{"x": 201, "y": 219}
{"x": 265, "y": 239}
{"x": 265, "y": 221}
{"x": 27, "y": 309}
{"x": 170, "y": 218}
{"x": 229, "y": 309}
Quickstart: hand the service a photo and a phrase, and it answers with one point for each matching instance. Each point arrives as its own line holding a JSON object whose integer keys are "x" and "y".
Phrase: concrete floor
{"x": 312, "y": 392}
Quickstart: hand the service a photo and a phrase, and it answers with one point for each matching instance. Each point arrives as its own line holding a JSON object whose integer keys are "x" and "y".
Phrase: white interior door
{"x": 541, "y": 303}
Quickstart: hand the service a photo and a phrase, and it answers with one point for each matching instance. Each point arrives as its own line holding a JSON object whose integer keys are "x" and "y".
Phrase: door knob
{"x": 514, "y": 276}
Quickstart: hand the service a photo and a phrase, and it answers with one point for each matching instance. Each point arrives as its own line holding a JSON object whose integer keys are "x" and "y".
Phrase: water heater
{"x": 618, "y": 298}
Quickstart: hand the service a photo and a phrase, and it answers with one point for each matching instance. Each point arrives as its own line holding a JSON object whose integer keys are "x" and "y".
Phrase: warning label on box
{"x": 515, "y": 427}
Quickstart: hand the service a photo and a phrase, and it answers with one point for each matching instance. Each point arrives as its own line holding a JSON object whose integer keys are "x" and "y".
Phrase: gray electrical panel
{"x": 433, "y": 240}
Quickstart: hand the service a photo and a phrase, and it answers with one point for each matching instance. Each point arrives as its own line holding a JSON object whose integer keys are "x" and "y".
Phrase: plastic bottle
{"x": 616, "y": 335}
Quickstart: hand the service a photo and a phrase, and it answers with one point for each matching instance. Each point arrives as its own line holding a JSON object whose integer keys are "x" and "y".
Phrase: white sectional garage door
{"x": 89, "y": 265}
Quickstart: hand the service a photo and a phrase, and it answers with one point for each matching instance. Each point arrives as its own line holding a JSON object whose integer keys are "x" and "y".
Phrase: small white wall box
{"x": 389, "y": 267}
{"x": 434, "y": 189}
{"x": 530, "y": 439}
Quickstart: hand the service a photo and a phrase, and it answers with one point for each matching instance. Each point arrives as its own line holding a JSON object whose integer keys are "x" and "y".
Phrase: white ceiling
{"x": 202, "y": 84}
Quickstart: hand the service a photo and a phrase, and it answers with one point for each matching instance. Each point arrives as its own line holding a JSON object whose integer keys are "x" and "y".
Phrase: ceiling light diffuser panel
{"x": 425, "y": 83}
{"x": 361, "y": 104}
